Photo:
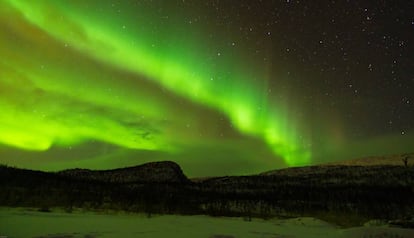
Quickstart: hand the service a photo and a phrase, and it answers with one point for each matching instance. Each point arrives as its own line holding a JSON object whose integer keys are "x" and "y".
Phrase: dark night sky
{"x": 221, "y": 87}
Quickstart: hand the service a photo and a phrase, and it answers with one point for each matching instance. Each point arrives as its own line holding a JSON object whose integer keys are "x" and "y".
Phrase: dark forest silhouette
{"x": 335, "y": 193}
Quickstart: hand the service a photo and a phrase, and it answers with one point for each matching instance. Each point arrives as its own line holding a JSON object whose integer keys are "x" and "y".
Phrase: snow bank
{"x": 22, "y": 223}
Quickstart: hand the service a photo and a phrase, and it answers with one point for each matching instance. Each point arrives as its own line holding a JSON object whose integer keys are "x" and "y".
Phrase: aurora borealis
{"x": 219, "y": 87}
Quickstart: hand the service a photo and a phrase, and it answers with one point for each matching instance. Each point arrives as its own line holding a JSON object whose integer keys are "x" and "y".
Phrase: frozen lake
{"x": 22, "y": 223}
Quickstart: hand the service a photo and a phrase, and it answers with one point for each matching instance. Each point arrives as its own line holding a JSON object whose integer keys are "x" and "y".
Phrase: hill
{"x": 352, "y": 168}
{"x": 338, "y": 193}
{"x": 396, "y": 159}
{"x": 155, "y": 172}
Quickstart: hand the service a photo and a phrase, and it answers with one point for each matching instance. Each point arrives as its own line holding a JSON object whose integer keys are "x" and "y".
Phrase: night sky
{"x": 221, "y": 87}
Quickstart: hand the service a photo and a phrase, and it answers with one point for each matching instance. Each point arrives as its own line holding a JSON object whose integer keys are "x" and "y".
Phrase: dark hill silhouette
{"x": 361, "y": 164}
{"x": 325, "y": 191}
{"x": 397, "y": 159}
{"x": 154, "y": 172}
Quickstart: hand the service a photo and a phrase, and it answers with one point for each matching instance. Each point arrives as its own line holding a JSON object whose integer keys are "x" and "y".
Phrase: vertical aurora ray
{"x": 164, "y": 53}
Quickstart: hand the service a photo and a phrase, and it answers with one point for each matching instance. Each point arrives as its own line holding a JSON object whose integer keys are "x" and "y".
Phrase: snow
{"x": 18, "y": 222}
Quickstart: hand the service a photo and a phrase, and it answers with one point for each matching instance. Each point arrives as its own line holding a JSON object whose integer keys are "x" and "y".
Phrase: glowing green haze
{"x": 72, "y": 71}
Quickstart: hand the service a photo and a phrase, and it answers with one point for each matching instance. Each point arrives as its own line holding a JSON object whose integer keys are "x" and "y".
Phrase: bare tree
{"x": 405, "y": 159}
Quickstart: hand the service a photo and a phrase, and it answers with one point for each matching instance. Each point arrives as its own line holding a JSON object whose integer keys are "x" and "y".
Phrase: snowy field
{"x": 22, "y": 223}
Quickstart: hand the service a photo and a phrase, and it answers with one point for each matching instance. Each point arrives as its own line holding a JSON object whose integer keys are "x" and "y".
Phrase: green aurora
{"x": 77, "y": 76}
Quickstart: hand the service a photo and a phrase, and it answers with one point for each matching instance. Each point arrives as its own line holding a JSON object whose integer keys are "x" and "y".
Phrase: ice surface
{"x": 22, "y": 223}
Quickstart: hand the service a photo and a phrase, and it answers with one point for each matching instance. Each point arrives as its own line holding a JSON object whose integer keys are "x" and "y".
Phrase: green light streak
{"x": 170, "y": 64}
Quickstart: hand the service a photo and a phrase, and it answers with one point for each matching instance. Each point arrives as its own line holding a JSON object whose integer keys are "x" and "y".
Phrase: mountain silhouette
{"x": 154, "y": 172}
{"x": 329, "y": 191}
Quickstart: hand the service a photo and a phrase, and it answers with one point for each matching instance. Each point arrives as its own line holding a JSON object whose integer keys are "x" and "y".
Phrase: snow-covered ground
{"x": 22, "y": 223}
